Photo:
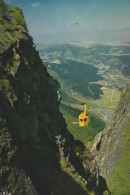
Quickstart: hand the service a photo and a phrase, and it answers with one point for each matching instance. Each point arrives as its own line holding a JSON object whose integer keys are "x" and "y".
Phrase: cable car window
{"x": 85, "y": 119}
{"x": 81, "y": 120}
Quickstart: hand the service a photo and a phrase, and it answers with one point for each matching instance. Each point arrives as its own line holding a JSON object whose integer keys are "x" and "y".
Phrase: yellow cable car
{"x": 84, "y": 118}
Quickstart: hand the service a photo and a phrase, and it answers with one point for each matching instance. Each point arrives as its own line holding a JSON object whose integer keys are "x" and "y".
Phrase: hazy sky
{"x": 53, "y": 21}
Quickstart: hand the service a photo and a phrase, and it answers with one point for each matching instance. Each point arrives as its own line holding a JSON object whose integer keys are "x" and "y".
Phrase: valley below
{"x": 94, "y": 73}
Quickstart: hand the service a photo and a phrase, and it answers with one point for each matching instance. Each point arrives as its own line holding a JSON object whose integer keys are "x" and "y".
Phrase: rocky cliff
{"x": 111, "y": 147}
{"x": 33, "y": 134}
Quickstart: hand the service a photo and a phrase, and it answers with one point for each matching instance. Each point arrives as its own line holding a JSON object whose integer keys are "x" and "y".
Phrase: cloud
{"x": 35, "y": 4}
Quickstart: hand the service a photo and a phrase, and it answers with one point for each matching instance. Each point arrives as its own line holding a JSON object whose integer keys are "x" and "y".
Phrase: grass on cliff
{"x": 84, "y": 134}
{"x": 120, "y": 182}
{"x": 17, "y": 16}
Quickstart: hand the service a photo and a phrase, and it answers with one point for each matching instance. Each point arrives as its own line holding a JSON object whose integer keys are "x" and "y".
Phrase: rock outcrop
{"x": 110, "y": 145}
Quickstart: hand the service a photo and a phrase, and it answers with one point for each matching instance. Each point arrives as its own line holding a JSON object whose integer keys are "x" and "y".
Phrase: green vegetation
{"x": 6, "y": 89}
{"x": 120, "y": 182}
{"x": 84, "y": 134}
{"x": 12, "y": 19}
{"x": 4, "y": 84}
{"x": 17, "y": 16}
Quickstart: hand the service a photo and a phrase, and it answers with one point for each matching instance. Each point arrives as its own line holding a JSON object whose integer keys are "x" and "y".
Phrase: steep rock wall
{"x": 111, "y": 145}
{"x": 33, "y": 133}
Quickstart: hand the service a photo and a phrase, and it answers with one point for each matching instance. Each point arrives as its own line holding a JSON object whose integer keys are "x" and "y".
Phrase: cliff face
{"x": 111, "y": 147}
{"x": 33, "y": 134}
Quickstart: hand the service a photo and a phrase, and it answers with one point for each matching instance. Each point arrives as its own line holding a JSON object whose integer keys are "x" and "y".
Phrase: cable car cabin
{"x": 84, "y": 118}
